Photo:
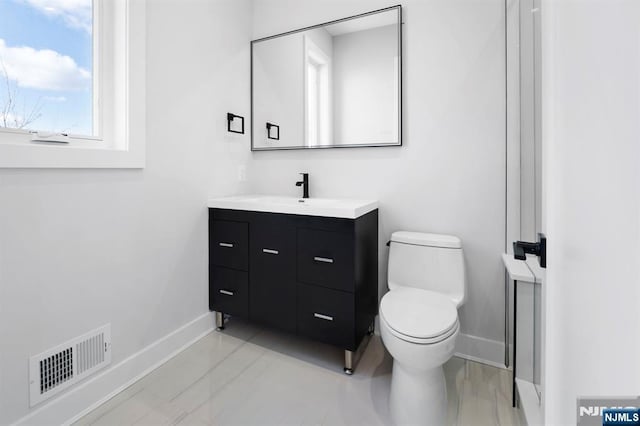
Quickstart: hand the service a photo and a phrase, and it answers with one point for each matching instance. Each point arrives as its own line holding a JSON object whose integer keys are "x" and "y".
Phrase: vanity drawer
{"x": 326, "y": 315}
{"x": 229, "y": 244}
{"x": 229, "y": 291}
{"x": 326, "y": 258}
{"x": 272, "y": 245}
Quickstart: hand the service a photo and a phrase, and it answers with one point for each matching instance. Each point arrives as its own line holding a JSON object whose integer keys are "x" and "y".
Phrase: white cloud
{"x": 56, "y": 99}
{"x": 75, "y": 13}
{"x": 42, "y": 69}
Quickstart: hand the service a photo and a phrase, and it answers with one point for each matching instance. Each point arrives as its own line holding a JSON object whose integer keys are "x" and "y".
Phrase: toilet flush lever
{"x": 521, "y": 248}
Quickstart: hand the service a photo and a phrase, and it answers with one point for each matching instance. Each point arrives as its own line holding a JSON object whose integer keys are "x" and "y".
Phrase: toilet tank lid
{"x": 424, "y": 239}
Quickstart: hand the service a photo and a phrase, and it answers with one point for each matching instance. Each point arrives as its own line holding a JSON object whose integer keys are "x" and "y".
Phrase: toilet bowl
{"x": 419, "y": 323}
{"x": 420, "y": 340}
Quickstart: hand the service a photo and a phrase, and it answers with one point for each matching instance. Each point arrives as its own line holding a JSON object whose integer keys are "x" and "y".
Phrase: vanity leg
{"x": 219, "y": 321}
{"x": 348, "y": 362}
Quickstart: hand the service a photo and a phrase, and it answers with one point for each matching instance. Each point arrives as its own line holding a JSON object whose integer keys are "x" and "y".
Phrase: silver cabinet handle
{"x": 322, "y": 316}
{"x": 270, "y": 251}
{"x": 323, "y": 259}
{"x": 227, "y": 292}
{"x": 228, "y": 245}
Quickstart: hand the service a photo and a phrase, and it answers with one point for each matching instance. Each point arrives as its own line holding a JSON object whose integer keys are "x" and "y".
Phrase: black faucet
{"x": 304, "y": 183}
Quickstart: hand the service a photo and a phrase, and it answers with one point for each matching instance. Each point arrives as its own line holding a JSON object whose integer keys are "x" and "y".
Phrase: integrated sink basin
{"x": 326, "y": 207}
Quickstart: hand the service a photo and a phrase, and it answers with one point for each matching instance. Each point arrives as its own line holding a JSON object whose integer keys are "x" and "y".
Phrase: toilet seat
{"x": 419, "y": 316}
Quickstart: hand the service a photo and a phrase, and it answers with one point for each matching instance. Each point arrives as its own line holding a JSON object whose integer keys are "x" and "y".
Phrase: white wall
{"x": 80, "y": 248}
{"x": 591, "y": 150}
{"x": 365, "y": 86}
{"x": 449, "y": 176}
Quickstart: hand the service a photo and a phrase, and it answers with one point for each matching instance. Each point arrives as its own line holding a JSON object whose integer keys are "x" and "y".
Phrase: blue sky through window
{"x": 46, "y": 63}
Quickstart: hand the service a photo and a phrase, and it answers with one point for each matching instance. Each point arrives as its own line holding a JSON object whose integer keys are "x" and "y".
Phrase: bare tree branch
{"x": 9, "y": 116}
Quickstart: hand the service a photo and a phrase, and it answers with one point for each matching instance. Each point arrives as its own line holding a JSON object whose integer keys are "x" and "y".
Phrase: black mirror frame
{"x": 400, "y": 96}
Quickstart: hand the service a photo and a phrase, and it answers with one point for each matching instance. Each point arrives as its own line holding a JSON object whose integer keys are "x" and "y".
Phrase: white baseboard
{"x": 81, "y": 399}
{"x": 479, "y": 349}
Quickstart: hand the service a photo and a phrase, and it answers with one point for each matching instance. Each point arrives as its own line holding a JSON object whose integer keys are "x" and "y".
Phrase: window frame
{"x": 314, "y": 56}
{"x": 118, "y": 100}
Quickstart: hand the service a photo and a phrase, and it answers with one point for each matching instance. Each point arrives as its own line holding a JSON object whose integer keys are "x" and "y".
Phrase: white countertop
{"x": 325, "y": 207}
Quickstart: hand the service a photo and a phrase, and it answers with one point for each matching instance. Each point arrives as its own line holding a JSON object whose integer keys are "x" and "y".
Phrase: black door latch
{"x": 521, "y": 248}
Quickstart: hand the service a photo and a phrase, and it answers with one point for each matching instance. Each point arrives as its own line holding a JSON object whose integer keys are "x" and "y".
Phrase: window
{"x": 314, "y": 71}
{"x": 46, "y": 62}
{"x": 72, "y": 83}
{"x": 317, "y": 94}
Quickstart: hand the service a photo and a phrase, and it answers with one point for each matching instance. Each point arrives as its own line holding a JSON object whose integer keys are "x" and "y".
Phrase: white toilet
{"x": 419, "y": 322}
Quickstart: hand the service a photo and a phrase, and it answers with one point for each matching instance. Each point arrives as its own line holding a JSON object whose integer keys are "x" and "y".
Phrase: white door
{"x": 590, "y": 202}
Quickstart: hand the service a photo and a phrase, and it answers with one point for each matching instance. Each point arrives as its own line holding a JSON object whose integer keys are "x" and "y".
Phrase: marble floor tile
{"x": 247, "y": 375}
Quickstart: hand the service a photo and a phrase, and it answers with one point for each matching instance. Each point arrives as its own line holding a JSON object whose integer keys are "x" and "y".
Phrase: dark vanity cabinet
{"x": 313, "y": 276}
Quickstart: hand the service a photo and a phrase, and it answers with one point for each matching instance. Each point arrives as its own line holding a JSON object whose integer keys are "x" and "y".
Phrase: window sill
{"x": 18, "y": 151}
{"x": 49, "y": 155}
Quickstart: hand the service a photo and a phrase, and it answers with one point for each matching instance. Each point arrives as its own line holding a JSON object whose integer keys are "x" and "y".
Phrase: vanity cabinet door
{"x": 326, "y": 258}
{"x": 229, "y": 291}
{"x": 272, "y": 299}
{"x": 228, "y": 242}
{"x": 326, "y": 315}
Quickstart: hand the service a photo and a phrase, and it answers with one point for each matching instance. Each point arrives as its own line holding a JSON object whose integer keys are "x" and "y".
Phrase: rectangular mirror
{"x": 333, "y": 85}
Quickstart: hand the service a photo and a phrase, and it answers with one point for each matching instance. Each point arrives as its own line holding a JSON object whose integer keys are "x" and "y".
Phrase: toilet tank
{"x": 428, "y": 261}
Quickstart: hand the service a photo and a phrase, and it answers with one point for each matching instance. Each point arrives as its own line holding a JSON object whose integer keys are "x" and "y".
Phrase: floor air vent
{"x": 58, "y": 368}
